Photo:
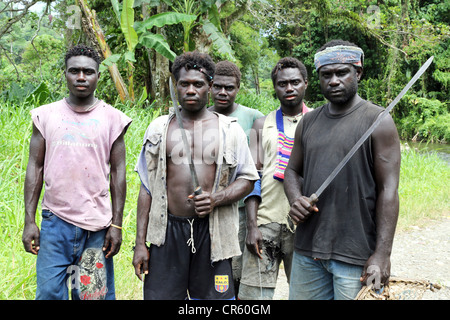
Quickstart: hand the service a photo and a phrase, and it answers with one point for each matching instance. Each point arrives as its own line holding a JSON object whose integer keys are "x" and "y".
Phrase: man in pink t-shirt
{"x": 77, "y": 151}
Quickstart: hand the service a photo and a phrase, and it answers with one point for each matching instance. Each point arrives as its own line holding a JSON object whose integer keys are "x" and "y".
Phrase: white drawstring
{"x": 190, "y": 242}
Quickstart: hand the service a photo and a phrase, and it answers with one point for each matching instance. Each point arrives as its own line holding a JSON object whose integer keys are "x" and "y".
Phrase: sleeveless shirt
{"x": 344, "y": 228}
{"x": 77, "y": 157}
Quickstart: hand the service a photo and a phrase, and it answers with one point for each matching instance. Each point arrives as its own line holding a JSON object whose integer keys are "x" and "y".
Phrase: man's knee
{"x": 247, "y": 292}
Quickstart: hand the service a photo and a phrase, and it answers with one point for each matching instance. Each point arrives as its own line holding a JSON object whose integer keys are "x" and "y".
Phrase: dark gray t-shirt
{"x": 344, "y": 228}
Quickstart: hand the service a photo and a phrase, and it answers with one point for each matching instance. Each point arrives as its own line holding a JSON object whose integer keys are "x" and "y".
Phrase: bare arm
{"x": 206, "y": 202}
{"x": 141, "y": 255}
{"x": 301, "y": 208}
{"x": 118, "y": 186}
{"x": 32, "y": 190}
{"x": 387, "y": 157}
{"x": 254, "y": 236}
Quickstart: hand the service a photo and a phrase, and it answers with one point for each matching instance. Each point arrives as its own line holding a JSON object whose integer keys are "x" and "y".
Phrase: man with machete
{"x": 192, "y": 234}
{"x": 345, "y": 239}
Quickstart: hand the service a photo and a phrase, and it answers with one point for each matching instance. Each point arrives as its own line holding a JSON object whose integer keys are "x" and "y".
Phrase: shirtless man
{"x": 193, "y": 237}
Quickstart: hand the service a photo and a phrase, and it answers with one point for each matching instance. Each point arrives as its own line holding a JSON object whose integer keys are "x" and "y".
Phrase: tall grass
{"x": 424, "y": 190}
{"x": 424, "y": 194}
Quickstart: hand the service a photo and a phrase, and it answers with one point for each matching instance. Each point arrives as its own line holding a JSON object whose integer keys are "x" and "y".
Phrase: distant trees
{"x": 140, "y": 38}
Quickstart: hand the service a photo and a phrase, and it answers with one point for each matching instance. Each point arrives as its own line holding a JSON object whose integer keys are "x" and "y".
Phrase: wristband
{"x": 113, "y": 225}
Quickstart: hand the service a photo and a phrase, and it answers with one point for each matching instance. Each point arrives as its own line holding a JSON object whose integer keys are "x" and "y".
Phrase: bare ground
{"x": 420, "y": 253}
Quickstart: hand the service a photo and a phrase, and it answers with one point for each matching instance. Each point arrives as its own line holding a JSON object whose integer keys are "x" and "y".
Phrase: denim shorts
{"x": 317, "y": 279}
{"x": 72, "y": 257}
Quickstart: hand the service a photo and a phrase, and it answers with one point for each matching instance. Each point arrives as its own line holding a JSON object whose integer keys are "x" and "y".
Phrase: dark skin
{"x": 290, "y": 89}
{"x": 338, "y": 85}
{"x": 82, "y": 76}
{"x": 224, "y": 91}
{"x": 202, "y": 126}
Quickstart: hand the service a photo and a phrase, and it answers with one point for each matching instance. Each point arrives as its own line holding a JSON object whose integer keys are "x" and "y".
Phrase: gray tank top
{"x": 344, "y": 228}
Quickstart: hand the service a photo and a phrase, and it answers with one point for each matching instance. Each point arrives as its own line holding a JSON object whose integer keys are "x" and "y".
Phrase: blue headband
{"x": 339, "y": 54}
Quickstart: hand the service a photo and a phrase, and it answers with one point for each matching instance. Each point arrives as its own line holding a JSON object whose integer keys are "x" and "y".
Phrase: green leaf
{"x": 116, "y": 8}
{"x": 143, "y": 96}
{"x": 219, "y": 40}
{"x": 109, "y": 61}
{"x": 159, "y": 44}
{"x": 39, "y": 95}
{"x": 126, "y": 24}
{"x": 129, "y": 56}
{"x": 214, "y": 17}
{"x": 162, "y": 19}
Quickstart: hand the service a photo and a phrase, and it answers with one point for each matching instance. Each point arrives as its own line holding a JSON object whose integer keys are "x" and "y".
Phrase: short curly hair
{"x": 228, "y": 69}
{"x": 194, "y": 60}
{"x": 289, "y": 62}
{"x": 83, "y": 50}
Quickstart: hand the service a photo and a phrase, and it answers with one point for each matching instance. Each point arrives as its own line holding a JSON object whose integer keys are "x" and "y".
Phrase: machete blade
{"x": 315, "y": 196}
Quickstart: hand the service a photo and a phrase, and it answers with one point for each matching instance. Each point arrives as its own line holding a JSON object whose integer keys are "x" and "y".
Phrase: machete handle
{"x": 313, "y": 199}
{"x": 198, "y": 191}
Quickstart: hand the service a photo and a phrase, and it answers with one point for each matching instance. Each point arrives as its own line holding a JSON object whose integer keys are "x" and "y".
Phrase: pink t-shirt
{"x": 76, "y": 166}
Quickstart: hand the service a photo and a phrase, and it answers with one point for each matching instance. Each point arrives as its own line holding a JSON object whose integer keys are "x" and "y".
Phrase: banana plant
{"x": 189, "y": 13}
{"x": 139, "y": 33}
{"x": 208, "y": 19}
{"x": 126, "y": 24}
{"x": 156, "y": 41}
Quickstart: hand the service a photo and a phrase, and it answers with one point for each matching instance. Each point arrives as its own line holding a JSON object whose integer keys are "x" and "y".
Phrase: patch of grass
{"x": 424, "y": 194}
{"x": 424, "y": 191}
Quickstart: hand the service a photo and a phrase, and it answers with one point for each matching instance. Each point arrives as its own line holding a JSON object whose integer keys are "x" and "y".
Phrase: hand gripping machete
{"x": 187, "y": 148}
{"x": 315, "y": 196}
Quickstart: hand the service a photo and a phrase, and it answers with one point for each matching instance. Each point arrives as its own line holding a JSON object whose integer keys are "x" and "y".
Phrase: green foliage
{"x": 126, "y": 23}
{"x": 262, "y": 102}
{"x": 423, "y": 194}
{"x": 221, "y": 43}
{"x": 157, "y": 41}
{"x": 423, "y": 188}
{"x": 33, "y": 56}
{"x": 427, "y": 119}
{"x": 396, "y": 36}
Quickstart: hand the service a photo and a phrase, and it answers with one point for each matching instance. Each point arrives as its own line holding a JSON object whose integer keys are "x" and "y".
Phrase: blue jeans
{"x": 323, "y": 279}
{"x": 71, "y": 255}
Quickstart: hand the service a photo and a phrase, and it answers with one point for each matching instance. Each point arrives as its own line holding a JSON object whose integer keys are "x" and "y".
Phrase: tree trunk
{"x": 160, "y": 70}
{"x": 256, "y": 79}
{"x": 96, "y": 34}
{"x": 149, "y": 83}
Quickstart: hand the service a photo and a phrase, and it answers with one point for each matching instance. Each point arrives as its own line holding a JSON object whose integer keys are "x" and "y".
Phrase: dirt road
{"x": 422, "y": 252}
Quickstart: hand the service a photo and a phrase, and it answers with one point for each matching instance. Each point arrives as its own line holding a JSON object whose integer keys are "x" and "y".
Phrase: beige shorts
{"x": 278, "y": 246}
